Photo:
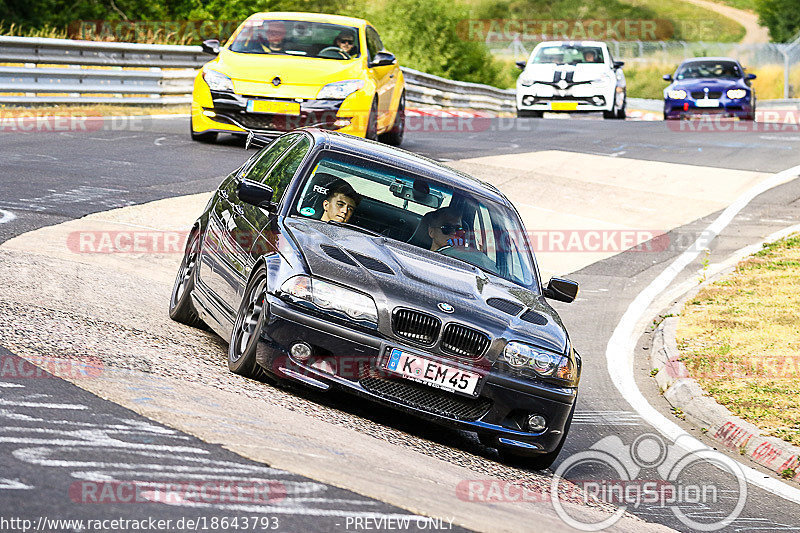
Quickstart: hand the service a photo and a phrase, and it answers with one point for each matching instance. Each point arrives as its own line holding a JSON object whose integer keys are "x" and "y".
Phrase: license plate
{"x": 432, "y": 373}
{"x": 563, "y": 106}
{"x": 707, "y": 102}
{"x": 271, "y": 106}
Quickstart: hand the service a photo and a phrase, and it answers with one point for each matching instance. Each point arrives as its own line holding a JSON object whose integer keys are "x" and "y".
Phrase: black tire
{"x": 542, "y": 461}
{"x": 394, "y": 136}
{"x": 622, "y": 112}
{"x": 181, "y": 308}
{"x": 207, "y": 137}
{"x": 247, "y": 328}
{"x": 523, "y": 113}
{"x": 372, "y": 122}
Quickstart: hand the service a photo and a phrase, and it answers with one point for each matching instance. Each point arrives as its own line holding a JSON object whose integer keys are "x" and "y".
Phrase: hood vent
{"x": 506, "y": 306}
{"x": 338, "y": 254}
{"x": 534, "y": 318}
{"x": 371, "y": 263}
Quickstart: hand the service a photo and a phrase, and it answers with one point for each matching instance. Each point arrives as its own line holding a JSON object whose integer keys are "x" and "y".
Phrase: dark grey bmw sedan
{"x": 338, "y": 262}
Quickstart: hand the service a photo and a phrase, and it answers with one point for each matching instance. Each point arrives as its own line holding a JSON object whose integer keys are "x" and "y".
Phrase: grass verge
{"x": 740, "y": 339}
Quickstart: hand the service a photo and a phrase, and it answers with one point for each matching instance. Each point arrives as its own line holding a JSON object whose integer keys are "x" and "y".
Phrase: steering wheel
{"x": 329, "y": 53}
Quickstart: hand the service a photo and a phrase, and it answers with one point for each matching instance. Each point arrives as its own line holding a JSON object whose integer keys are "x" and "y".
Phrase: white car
{"x": 566, "y": 76}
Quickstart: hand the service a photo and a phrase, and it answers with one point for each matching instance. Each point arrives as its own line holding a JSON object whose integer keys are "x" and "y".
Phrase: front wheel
{"x": 394, "y": 136}
{"x": 247, "y": 329}
{"x": 181, "y": 308}
{"x": 372, "y": 122}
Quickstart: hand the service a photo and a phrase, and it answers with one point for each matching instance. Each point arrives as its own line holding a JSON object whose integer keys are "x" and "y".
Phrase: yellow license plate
{"x": 270, "y": 106}
{"x": 563, "y": 106}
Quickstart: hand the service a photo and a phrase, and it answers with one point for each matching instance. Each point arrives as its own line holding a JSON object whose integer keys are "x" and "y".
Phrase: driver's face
{"x": 346, "y": 44}
{"x": 339, "y": 208}
{"x": 439, "y": 237}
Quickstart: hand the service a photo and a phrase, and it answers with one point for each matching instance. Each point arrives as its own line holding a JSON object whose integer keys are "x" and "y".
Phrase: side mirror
{"x": 563, "y": 290}
{"x": 521, "y": 65}
{"x": 383, "y": 59}
{"x": 619, "y": 64}
{"x": 750, "y": 77}
{"x": 667, "y": 77}
{"x": 210, "y": 46}
{"x": 255, "y": 193}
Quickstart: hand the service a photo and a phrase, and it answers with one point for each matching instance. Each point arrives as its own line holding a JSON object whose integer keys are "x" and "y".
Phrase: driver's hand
{"x": 458, "y": 241}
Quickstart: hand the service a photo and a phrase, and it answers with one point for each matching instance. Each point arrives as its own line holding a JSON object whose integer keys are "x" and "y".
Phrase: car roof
{"x": 309, "y": 17}
{"x": 580, "y": 43}
{"x": 407, "y": 161}
{"x": 693, "y": 59}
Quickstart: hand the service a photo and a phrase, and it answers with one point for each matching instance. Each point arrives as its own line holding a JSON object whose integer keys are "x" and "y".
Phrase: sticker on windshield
{"x": 307, "y": 211}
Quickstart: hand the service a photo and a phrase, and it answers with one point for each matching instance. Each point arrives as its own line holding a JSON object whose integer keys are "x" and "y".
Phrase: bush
{"x": 782, "y": 17}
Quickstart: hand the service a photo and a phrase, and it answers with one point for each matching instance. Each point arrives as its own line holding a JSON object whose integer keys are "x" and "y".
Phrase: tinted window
{"x": 257, "y": 169}
{"x": 374, "y": 44}
{"x": 283, "y": 172}
{"x": 569, "y": 54}
{"x": 708, "y": 69}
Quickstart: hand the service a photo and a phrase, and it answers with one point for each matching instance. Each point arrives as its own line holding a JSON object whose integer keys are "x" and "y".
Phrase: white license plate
{"x": 432, "y": 373}
{"x": 707, "y": 102}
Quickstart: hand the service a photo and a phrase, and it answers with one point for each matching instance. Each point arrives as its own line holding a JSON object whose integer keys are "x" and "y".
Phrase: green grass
{"x": 747, "y": 5}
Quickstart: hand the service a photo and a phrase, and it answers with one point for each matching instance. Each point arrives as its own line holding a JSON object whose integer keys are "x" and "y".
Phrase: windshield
{"x": 568, "y": 54}
{"x": 299, "y": 38}
{"x": 708, "y": 69}
{"x": 418, "y": 211}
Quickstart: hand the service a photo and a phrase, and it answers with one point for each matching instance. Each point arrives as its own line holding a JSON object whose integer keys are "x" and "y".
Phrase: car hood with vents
{"x": 396, "y": 274}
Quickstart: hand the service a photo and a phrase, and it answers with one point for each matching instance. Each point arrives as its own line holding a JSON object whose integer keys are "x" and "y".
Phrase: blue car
{"x": 710, "y": 85}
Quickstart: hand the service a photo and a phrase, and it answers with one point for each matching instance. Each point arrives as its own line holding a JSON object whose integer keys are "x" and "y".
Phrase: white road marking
{"x": 621, "y": 346}
{"x": 39, "y": 405}
{"x": 11, "y": 386}
{"x": 6, "y": 216}
{"x": 13, "y": 484}
{"x": 607, "y": 418}
{"x": 158, "y": 141}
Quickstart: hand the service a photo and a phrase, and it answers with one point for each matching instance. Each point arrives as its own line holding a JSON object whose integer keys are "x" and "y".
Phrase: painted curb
{"x": 685, "y": 394}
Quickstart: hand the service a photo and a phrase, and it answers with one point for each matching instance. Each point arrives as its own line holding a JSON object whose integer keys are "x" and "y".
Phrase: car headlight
{"x": 330, "y": 297}
{"x": 736, "y": 94}
{"x": 678, "y": 94}
{"x": 340, "y": 90}
{"x": 217, "y": 81}
{"x": 525, "y": 81}
{"x": 540, "y": 362}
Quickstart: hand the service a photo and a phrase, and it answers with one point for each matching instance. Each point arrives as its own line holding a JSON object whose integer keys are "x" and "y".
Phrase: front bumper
{"x": 586, "y": 97}
{"x": 351, "y": 360}
{"x": 689, "y": 107}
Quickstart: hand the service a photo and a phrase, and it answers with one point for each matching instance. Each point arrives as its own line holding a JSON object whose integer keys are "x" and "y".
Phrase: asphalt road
{"x": 52, "y": 177}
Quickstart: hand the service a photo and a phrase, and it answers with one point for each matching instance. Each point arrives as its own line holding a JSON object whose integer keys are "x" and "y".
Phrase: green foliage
{"x": 782, "y": 17}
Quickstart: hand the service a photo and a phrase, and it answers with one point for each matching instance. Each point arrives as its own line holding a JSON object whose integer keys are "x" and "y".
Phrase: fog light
{"x": 536, "y": 423}
{"x": 300, "y": 351}
{"x": 598, "y": 100}
{"x": 342, "y": 122}
{"x": 527, "y": 100}
{"x": 209, "y": 113}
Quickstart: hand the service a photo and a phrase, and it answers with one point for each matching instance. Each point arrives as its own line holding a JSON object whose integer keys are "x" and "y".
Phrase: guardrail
{"x": 168, "y": 80}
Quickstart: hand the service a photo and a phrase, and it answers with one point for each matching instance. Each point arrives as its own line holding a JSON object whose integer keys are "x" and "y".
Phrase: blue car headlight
{"x": 736, "y": 94}
{"x": 676, "y": 94}
{"x": 538, "y": 362}
{"x": 331, "y": 298}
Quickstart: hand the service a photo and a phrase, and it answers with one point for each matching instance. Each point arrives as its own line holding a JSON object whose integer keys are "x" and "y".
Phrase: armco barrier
{"x": 168, "y": 79}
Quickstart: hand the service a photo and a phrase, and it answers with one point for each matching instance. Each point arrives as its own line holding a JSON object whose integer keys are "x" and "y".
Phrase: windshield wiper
{"x": 353, "y": 226}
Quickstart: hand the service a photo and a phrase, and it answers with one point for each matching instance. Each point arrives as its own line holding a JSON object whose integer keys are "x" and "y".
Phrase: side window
{"x": 283, "y": 172}
{"x": 374, "y": 44}
{"x": 258, "y": 168}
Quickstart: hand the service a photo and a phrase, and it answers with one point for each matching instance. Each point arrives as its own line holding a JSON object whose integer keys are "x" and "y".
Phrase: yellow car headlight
{"x": 340, "y": 90}
{"x": 678, "y": 94}
{"x": 217, "y": 81}
{"x": 736, "y": 94}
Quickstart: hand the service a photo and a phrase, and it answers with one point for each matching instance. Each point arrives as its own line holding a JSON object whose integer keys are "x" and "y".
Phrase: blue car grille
{"x": 711, "y": 94}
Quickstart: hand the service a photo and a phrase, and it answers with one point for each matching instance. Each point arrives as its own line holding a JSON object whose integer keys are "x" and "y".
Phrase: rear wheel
{"x": 247, "y": 329}
{"x": 394, "y": 136}
{"x": 207, "y": 137}
{"x": 181, "y": 308}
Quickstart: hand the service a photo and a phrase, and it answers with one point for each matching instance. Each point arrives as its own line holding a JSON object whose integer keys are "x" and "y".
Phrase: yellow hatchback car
{"x": 281, "y": 71}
